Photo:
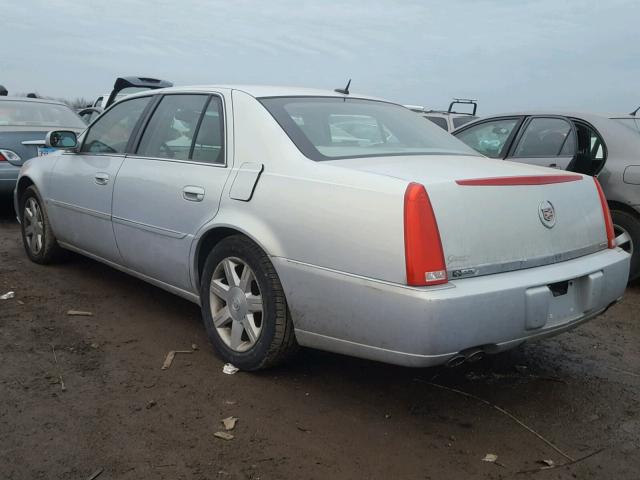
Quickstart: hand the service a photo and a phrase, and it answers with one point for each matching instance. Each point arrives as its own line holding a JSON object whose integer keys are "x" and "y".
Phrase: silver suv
{"x": 448, "y": 119}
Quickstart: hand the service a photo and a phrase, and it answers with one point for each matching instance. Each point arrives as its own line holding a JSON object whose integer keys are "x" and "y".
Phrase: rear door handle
{"x": 101, "y": 178}
{"x": 193, "y": 193}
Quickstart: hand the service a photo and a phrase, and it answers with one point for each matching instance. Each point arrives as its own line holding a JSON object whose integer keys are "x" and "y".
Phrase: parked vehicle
{"x": 448, "y": 119}
{"x": 128, "y": 85}
{"x": 604, "y": 146}
{"x": 24, "y": 123}
{"x": 409, "y": 248}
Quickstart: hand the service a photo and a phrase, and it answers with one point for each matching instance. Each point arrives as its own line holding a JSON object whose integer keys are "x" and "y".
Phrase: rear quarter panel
{"x": 310, "y": 212}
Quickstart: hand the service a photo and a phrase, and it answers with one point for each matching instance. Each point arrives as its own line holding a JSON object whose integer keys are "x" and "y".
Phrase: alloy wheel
{"x": 623, "y": 239}
{"x": 33, "y": 225}
{"x": 236, "y": 304}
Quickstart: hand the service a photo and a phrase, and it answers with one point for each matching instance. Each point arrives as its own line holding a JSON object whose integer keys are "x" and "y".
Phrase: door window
{"x": 172, "y": 128}
{"x": 546, "y": 137}
{"x": 209, "y": 143}
{"x": 489, "y": 138}
{"x": 110, "y": 133}
{"x": 185, "y": 127}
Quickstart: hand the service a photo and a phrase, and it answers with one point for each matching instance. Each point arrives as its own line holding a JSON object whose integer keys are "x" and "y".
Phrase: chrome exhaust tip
{"x": 475, "y": 356}
{"x": 456, "y": 361}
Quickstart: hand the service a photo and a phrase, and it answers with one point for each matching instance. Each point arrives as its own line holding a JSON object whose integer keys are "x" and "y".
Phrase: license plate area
{"x": 561, "y": 302}
{"x": 43, "y": 151}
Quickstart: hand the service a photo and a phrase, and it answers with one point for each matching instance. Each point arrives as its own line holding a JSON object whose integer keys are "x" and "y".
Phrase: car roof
{"x": 32, "y": 100}
{"x": 564, "y": 113}
{"x": 260, "y": 91}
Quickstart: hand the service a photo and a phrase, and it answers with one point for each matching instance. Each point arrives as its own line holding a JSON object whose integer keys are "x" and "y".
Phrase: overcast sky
{"x": 509, "y": 54}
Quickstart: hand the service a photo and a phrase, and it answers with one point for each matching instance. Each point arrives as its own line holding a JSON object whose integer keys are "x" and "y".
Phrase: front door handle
{"x": 193, "y": 193}
{"x": 101, "y": 178}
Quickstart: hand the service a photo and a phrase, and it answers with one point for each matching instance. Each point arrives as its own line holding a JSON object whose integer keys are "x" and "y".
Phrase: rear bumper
{"x": 428, "y": 326}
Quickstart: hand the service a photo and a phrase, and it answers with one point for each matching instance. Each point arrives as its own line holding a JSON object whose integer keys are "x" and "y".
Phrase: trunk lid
{"x": 496, "y": 228}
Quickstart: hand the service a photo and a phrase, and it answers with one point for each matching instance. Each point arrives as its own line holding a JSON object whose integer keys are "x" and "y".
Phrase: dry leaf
{"x": 223, "y": 435}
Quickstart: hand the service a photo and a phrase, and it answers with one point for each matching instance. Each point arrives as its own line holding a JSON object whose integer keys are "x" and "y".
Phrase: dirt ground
{"x": 321, "y": 416}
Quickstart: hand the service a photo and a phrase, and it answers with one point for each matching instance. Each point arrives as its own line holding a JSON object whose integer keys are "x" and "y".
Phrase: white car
{"x": 291, "y": 225}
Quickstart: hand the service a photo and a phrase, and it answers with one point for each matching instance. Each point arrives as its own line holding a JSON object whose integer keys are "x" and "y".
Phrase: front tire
{"x": 244, "y": 307}
{"x": 38, "y": 238}
{"x": 627, "y": 224}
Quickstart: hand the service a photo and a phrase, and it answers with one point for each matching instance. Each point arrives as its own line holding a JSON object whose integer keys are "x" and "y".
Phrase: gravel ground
{"x": 320, "y": 416}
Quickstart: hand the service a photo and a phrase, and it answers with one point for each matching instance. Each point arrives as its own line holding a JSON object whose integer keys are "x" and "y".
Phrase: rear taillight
{"x": 2, "y": 159}
{"x": 9, "y": 155}
{"x": 422, "y": 245}
{"x": 608, "y": 222}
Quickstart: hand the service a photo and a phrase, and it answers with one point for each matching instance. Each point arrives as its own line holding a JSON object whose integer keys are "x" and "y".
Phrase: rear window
{"x": 38, "y": 114}
{"x": 439, "y": 121}
{"x": 330, "y": 128}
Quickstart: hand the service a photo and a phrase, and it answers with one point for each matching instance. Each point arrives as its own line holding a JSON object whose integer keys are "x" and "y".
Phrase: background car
{"x": 122, "y": 87}
{"x": 289, "y": 220}
{"x": 24, "y": 122}
{"x": 448, "y": 119}
{"x": 604, "y": 146}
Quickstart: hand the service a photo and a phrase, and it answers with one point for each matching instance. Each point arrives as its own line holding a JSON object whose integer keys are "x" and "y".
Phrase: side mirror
{"x": 61, "y": 139}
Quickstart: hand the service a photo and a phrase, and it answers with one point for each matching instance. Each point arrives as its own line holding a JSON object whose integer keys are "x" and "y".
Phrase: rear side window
{"x": 489, "y": 138}
{"x": 209, "y": 145}
{"x": 184, "y": 127}
{"x": 110, "y": 133}
{"x": 544, "y": 137}
{"x": 459, "y": 121}
{"x": 172, "y": 128}
{"x": 441, "y": 122}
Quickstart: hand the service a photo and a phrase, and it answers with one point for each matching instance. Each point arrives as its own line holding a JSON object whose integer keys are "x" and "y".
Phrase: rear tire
{"x": 38, "y": 239}
{"x": 624, "y": 222}
{"x": 244, "y": 307}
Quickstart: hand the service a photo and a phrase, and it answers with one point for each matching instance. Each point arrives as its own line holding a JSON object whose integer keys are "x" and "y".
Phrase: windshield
{"x": 20, "y": 113}
{"x": 328, "y": 128}
{"x": 633, "y": 123}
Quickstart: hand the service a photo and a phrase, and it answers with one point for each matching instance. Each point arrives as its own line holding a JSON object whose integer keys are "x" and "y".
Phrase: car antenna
{"x": 344, "y": 90}
{"x": 633, "y": 114}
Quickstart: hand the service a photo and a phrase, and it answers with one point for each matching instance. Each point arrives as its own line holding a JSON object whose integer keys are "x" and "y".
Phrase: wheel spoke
{"x": 236, "y": 334}
{"x": 222, "y": 317}
{"x": 249, "y": 328}
{"x": 254, "y": 303}
{"x": 230, "y": 273}
{"x": 38, "y": 242}
{"x": 219, "y": 289}
{"x": 623, "y": 239}
{"x": 246, "y": 279}
{"x": 28, "y": 214}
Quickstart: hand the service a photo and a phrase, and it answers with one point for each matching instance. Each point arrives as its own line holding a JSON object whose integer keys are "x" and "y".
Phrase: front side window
{"x": 111, "y": 132}
{"x": 489, "y": 138}
{"x": 331, "y": 128}
{"x": 544, "y": 137}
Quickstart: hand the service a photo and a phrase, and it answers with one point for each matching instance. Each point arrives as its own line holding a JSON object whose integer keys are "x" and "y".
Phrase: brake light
{"x": 422, "y": 245}
{"x": 608, "y": 222}
{"x": 2, "y": 159}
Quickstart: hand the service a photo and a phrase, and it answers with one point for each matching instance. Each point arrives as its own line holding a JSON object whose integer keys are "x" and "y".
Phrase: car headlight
{"x": 9, "y": 155}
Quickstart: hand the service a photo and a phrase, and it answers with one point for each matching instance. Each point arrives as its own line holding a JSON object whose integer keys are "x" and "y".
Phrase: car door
{"x": 171, "y": 186}
{"x": 81, "y": 183}
{"x": 547, "y": 141}
{"x": 491, "y": 137}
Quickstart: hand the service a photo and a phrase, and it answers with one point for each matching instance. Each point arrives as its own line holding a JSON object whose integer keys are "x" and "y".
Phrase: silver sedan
{"x": 325, "y": 219}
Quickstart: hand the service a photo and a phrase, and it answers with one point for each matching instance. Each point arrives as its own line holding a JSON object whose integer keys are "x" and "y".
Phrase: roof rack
{"x": 463, "y": 101}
